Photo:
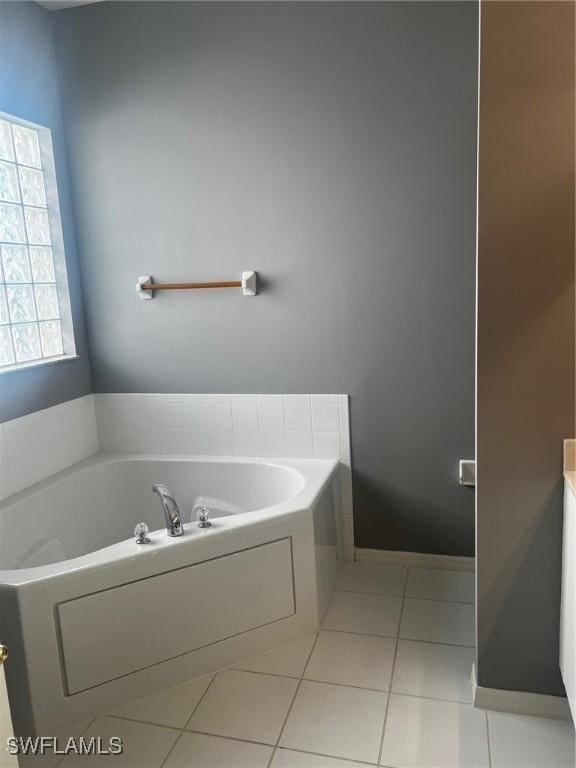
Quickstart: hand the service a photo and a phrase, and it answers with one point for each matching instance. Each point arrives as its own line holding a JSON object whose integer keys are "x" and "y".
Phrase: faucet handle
{"x": 202, "y": 515}
{"x": 141, "y": 533}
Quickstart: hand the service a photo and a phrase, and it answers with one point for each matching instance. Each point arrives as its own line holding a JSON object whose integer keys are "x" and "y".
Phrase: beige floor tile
{"x": 361, "y": 660}
{"x": 376, "y": 578}
{"x": 366, "y": 614}
{"x": 518, "y": 741}
{"x": 172, "y": 707}
{"x": 456, "y": 586}
{"x": 438, "y": 622}
{"x": 421, "y": 733}
{"x": 336, "y": 721}
{"x": 433, "y": 671}
{"x": 245, "y": 705}
{"x": 144, "y": 746}
{"x": 288, "y": 660}
{"x": 195, "y": 750}
{"x": 289, "y": 758}
{"x": 50, "y": 760}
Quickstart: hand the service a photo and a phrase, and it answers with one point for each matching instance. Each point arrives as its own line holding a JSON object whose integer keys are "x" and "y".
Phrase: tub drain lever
{"x": 202, "y": 517}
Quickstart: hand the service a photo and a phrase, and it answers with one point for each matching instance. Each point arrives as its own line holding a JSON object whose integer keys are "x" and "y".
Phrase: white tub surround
{"x": 276, "y": 426}
{"x": 101, "y": 620}
{"x": 273, "y": 426}
{"x": 36, "y": 446}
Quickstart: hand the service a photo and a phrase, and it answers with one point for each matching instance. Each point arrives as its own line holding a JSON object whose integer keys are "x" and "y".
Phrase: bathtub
{"x": 94, "y": 620}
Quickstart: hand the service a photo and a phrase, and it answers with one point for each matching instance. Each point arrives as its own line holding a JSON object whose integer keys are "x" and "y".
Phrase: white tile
{"x": 377, "y": 578}
{"x": 324, "y": 399}
{"x": 245, "y": 705}
{"x": 297, "y": 400}
{"x": 344, "y": 415}
{"x": 38, "y": 435}
{"x": 172, "y": 707}
{"x": 244, "y": 412}
{"x": 168, "y": 413}
{"x": 289, "y": 758}
{"x": 133, "y": 413}
{"x": 438, "y": 622}
{"x": 336, "y": 721}
{"x": 326, "y": 445}
{"x": 345, "y": 452}
{"x": 366, "y": 614}
{"x": 145, "y": 746}
{"x": 193, "y": 415}
{"x": 219, "y": 414}
{"x": 196, "y": 750}
{"x": 348, "y": 659}
{"x": 421, "y": 733}
{"x": 219, "y": 442}
{"x": 289, "y": 659}
{"x": 297, "y": 417}
{"x": 518, "y": 741}
{"x": 192, "y": 398}
{"x": 15, "y": 443}
{"x": 270, "y": 413}
{"x": 195, "y": 441}
{"x": 246, "y": 442}
{"x": 325, "y": 417}
{"x": 299, "y": 445}
{"x": 457, "y": 586}
{"x": 271, "y": 444}
{"x": 433, "y": 671}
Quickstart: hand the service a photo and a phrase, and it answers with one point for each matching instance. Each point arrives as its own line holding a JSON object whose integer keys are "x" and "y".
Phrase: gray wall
{"x": 332, "y": 148}
{"x": 29, "y": 89}
{"x": 525, "y": 336}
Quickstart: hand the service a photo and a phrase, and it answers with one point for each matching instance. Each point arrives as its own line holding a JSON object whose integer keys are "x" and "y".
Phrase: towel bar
{"x": 146, "y": 287}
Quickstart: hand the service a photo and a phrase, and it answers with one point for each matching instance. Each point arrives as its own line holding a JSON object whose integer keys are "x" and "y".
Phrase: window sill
{"x": 37, "y": 363}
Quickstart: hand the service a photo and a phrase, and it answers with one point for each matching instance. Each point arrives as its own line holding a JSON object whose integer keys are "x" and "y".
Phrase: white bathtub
{"x": 93, "y": 620}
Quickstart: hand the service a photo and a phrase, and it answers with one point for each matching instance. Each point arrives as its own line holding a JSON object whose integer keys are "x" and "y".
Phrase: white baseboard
{"x": 417, "y": 559}
{"x": 520, "y": 702}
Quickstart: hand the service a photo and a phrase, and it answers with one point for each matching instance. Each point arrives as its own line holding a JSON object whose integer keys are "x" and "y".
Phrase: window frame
{"x": 57, "y": 245}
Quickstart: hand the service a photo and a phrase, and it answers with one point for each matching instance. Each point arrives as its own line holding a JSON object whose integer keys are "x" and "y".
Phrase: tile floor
{"x": 385, "y": 683}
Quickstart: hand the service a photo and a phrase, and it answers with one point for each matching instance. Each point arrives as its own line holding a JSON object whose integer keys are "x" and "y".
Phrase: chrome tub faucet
{"x": 174, "y": 525}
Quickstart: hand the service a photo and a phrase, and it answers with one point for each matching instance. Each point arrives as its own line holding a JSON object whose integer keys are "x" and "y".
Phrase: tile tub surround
{"x": 340, "y": 699}
{"x": 36, "y": 446}
{"x": 275, "y": 426}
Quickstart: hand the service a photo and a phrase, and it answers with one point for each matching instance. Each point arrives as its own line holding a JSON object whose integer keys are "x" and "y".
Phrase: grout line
{"x": 200, "y": 700}
{"x": 392, "y": 637}
{"x": 88, "y": 724}
{"x": 386, "y": 710}
{"x": 440, "y": 600}
{"x": 407, "y": 597}
{"x": 293, "y": 699}
{"x": 331, "y": 757}
{"x": 143, "y": 722}
{"x": 315, "y": 680}
{"x": 229, "y": 738}
{"x": 488, "y": 740}
{"x": 173, "y": 747}
{"x": 255, "y": 672}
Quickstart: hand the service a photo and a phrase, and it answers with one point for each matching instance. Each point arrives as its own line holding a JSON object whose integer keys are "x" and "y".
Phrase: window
{"x": 35, "y": 318}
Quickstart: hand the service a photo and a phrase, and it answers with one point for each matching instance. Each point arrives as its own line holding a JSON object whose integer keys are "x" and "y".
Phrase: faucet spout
{"x": 174, "y": 525}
